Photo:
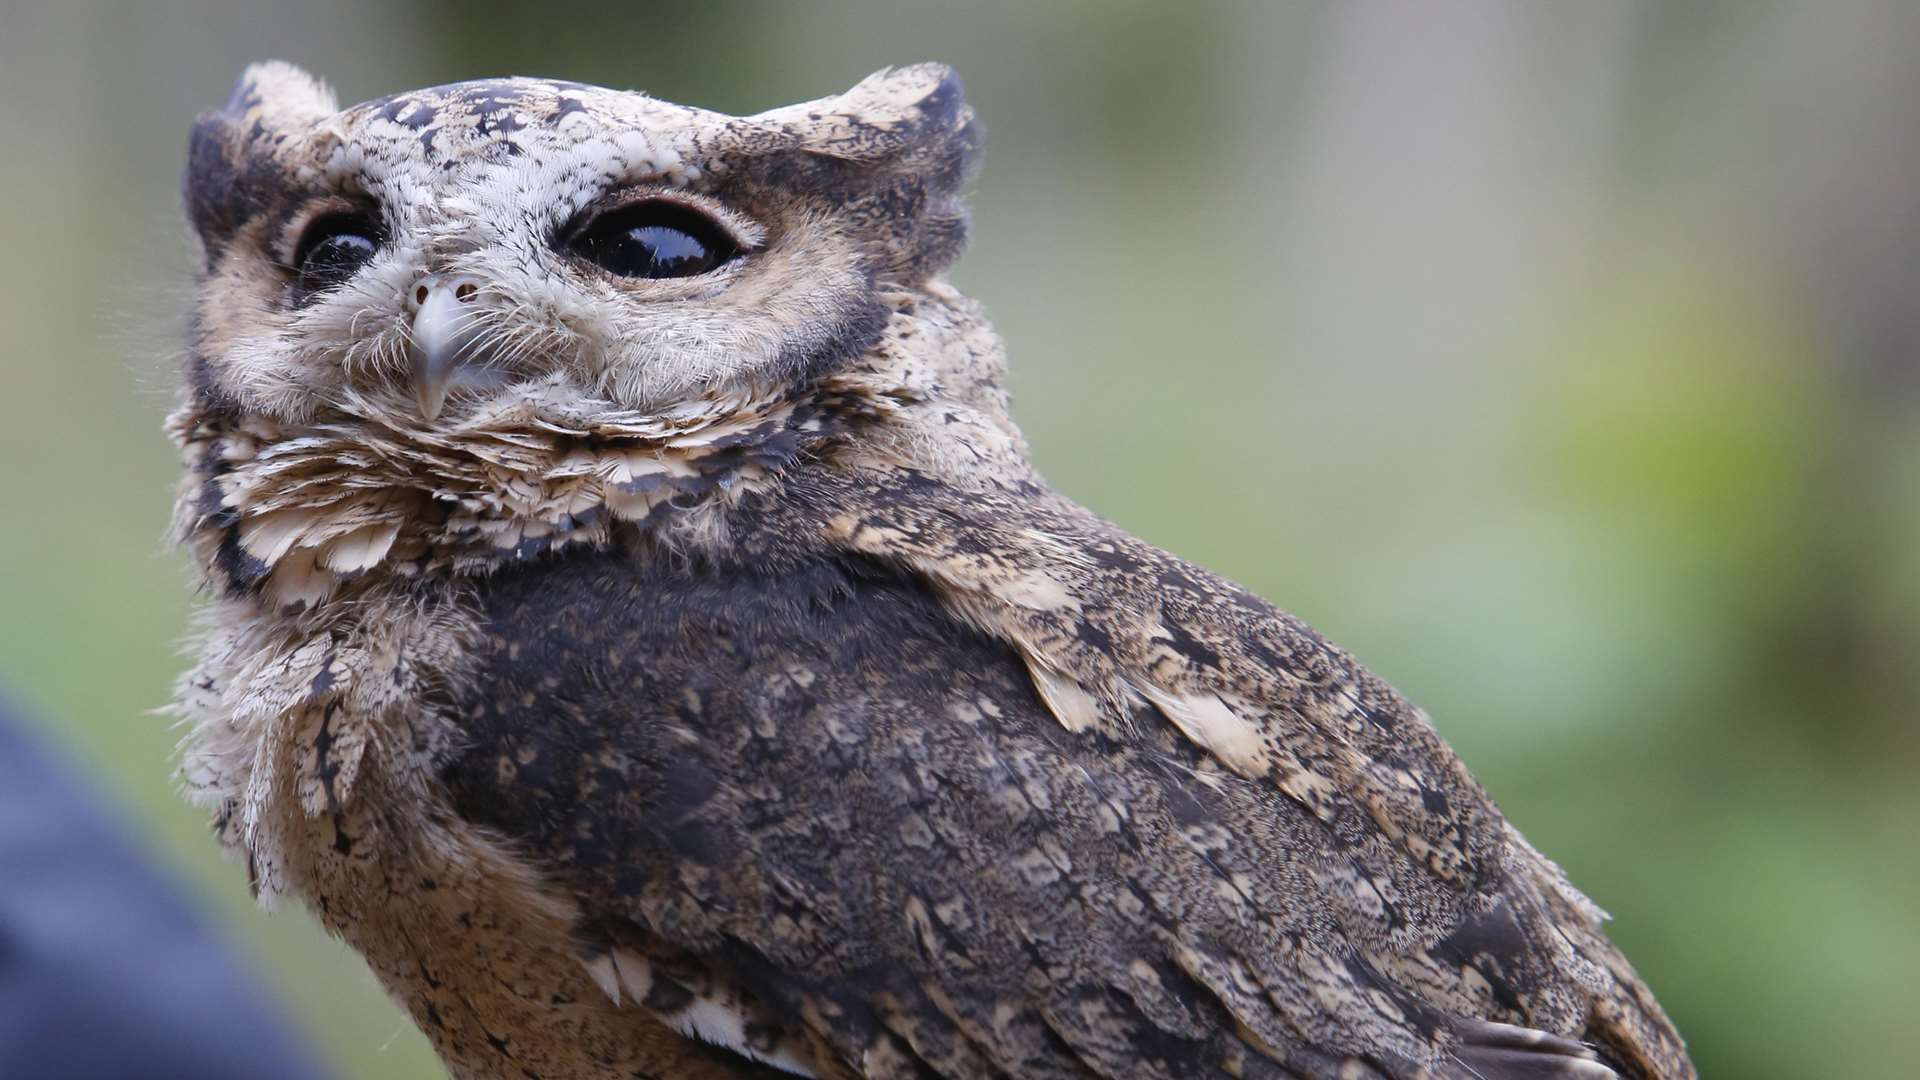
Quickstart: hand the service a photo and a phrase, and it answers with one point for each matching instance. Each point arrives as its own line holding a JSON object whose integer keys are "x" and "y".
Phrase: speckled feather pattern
{"x": 720, "y": 693}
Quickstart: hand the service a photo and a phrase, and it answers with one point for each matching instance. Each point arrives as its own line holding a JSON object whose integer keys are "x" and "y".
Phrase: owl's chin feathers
{"x": 299, "y": 513}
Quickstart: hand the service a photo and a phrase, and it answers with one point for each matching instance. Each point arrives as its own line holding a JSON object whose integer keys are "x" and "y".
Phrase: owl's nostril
{"x": 456, "y": 289}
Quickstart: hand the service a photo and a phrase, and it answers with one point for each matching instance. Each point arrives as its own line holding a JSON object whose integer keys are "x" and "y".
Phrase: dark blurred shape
{"x": 104, "y": 971}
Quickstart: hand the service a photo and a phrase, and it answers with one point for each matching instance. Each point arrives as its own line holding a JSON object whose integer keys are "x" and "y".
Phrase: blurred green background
{"x": 1559, "y": 360}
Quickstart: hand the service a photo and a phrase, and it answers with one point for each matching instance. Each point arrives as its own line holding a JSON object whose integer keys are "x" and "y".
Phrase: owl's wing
{"x": 1109, "y": 626}
{"x": 811, "y": 816}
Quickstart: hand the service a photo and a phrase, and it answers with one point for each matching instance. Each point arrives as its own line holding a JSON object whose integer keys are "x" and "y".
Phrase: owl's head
{"x": 421, "y": 254}
{"x": 464, "y": 326}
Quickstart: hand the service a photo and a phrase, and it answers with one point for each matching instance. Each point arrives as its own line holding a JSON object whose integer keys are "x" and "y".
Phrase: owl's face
{"x": 417, "y": 256}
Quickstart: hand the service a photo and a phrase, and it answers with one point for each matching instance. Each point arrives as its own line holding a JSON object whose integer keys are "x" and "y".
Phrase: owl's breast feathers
{"x": 972, "y": 784}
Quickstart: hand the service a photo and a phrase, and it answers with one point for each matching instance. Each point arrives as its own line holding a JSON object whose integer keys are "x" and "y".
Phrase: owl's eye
{"x": 654, "y": 239}
{"x": 333, "y": 249}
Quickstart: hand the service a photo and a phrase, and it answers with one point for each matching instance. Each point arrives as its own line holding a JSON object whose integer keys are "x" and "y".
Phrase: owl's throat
{"x": 296, "y": 515}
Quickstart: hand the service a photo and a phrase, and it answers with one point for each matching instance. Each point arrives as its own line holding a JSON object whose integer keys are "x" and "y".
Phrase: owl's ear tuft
{"x": 904, "y": 110}
{"x": 231, "y": 156}
{"x": 279, "y": 96}
{"x": 893, "y": 153}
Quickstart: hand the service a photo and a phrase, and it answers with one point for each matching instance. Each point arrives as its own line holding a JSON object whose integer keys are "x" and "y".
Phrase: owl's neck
{"x": 298, "y": 514}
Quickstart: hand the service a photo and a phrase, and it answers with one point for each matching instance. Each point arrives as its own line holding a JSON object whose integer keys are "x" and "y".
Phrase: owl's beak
{"x": 445, "y": 326}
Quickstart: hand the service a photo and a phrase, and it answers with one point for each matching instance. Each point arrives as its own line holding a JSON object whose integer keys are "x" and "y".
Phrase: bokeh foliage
{"x": 1559, "y": 361}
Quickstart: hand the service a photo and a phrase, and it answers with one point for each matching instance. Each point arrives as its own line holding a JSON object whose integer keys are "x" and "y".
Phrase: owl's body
{"x": 649, "y": 646}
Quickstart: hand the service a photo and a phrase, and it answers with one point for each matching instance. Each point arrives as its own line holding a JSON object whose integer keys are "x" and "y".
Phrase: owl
{"x": 634, "y": 625}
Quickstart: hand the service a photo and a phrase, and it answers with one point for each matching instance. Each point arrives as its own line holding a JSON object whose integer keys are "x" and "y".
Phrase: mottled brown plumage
{"x": 709, "y": 687}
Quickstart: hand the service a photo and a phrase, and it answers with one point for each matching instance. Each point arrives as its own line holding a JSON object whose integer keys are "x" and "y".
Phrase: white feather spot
{"x": 722, "y": 1024}
{"x": 635, "y": 974}
{"x": 1068, "y": 701}
{"x": 604, "y": 975}
{"x": 1211, "y": 724}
